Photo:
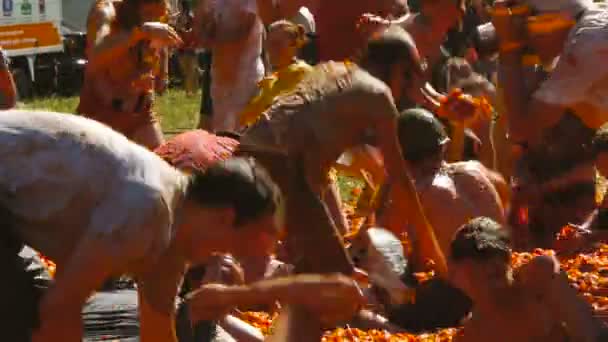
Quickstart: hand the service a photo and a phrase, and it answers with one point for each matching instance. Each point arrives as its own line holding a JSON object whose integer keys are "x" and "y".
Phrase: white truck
{"x": 30, "y": 30}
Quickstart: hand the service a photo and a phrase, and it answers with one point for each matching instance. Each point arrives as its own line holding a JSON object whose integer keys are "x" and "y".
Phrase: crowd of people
{"x": 477, "y": 128}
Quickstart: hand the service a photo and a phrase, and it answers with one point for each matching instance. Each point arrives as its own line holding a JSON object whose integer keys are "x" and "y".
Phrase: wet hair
{"x": 480, "y": 239}
{"x": 296, "y": 32}
{"x": 240, "y": 183}
{"x": 127, "y": 12}
{"x": 393, "y": 47}
{"x": 599, "y": 143}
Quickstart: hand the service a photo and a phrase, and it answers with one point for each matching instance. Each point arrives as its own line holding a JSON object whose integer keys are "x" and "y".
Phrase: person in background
{"x": 309, "y": 52}
{"x": 336, "y": 23}
{"x": 8, "y": 90}
{"x": 187, "y": 54}
{"x": 428, "y": 29}
{"x": 553, "y": 107}
{"x": 283, "y": 42}
{"x": 233, "y": 31}
{"x": 121, "y": 95}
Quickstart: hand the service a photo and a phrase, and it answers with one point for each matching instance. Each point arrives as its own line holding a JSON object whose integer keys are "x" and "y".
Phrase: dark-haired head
{"x": 233, "y": 207}
{"x": 480, "y": 239}
{"x": 393, "y": 58}
{"x": 240, "y": 183}
{"x": 479, "y": 262}
{"x": 395, "y": 47}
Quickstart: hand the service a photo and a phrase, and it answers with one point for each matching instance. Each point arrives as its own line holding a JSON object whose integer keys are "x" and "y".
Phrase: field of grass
{"x": 177, "y": 111}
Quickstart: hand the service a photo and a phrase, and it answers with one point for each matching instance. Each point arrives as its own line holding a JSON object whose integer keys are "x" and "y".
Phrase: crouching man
{"x": 99, "y": 206}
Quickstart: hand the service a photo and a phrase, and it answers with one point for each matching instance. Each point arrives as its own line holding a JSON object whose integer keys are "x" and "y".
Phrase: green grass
{"x": 177, "y": 111}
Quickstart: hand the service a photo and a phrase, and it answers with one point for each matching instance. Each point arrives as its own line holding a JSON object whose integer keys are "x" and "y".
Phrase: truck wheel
{"x": 23, "y": 82}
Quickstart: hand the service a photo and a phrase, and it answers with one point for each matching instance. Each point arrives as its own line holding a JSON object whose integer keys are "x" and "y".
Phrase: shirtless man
{"x": 233, "y": 32}
{"x": 532, "y": 303}
{"x": 121, "y": 95}
{"x": 338, "y": 106}
{"x": 451, "y": 194}
{"x": 100, "y": 206}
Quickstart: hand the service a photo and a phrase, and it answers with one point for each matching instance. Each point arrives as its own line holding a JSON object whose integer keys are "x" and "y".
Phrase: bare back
{"x": 331, "y": 110}
{"x": 458, "y": 193}
{"x": 65, "y": 177}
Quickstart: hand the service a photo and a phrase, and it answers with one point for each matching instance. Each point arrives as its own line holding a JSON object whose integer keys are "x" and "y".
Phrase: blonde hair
{"x": 295, "y": 31}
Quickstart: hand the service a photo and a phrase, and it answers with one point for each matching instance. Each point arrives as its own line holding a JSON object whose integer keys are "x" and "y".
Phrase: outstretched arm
{"x": 336, "y": 297}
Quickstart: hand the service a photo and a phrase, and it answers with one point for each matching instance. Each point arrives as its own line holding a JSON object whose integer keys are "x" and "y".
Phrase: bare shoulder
{"x": 476, "y": 171}
{"x": 537, "y": 275}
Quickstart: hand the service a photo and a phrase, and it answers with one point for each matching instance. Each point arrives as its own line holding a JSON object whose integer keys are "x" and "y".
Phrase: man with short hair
{"x": 450, "y": 194}
{"x": 532, "y": 303}
{"x": 100, "y": 206}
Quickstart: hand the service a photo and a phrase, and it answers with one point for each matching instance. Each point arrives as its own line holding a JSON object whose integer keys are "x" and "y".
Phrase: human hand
{"x": 224, "y": 269}
{"x": 370, "y": 24}
{"x": 210, "y": 302}
{"x": 160, "y": 34}
{"x": 459, "y": 108}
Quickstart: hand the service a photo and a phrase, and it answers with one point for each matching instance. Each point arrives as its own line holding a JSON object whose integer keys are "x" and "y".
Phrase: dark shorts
{"x": 438, "y": 305}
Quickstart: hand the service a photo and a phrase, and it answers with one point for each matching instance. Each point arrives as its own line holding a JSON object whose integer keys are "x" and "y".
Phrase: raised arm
{"x": 104, "y": 45}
